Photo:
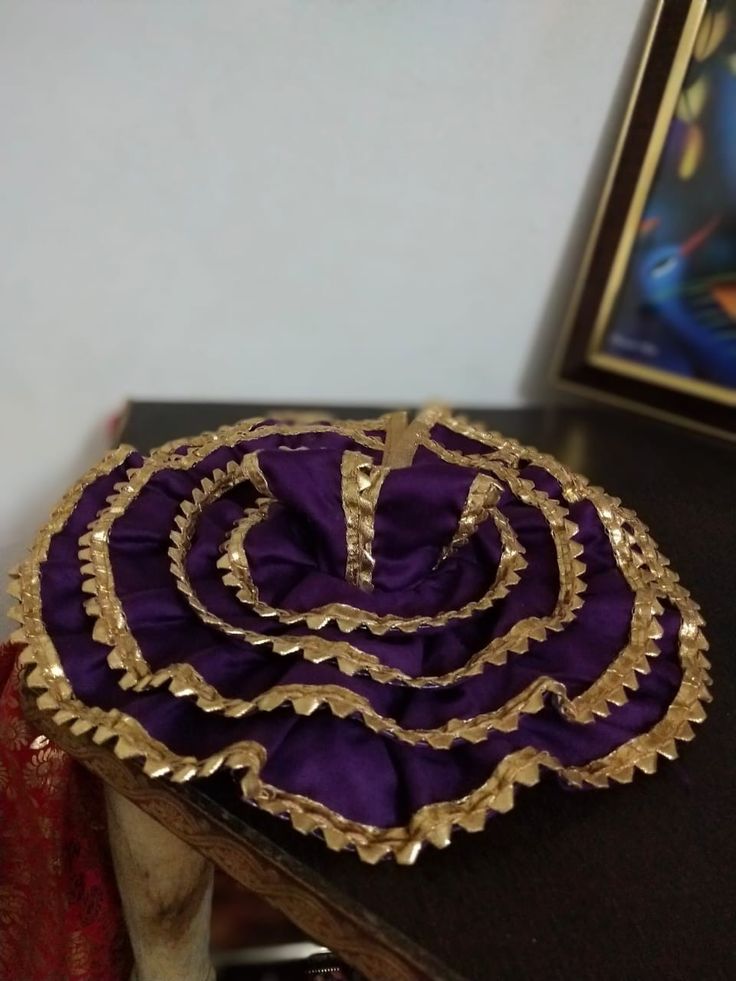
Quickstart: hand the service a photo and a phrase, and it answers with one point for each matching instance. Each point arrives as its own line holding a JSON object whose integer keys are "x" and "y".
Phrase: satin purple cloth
{"x": 297, "y": 556}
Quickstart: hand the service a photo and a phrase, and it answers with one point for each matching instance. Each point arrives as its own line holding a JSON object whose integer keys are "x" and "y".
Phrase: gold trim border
{"x": 348, "y": 618}
{"x": 609, "y": 688}
{"x": 361, "y": 483}
{"x": 125, "y": 655}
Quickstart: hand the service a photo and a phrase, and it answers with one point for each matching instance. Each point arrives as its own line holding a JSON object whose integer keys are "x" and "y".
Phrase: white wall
{"x": 337, "y": 200}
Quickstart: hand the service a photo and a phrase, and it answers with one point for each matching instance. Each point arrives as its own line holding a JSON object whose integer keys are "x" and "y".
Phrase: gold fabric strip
{"x": 209, "y": 491}
{"x": 361, "y": 486}
{"x": 482, "y": 498}
{"x": 394, "y": 453}
{"x": 125, "y": 655}
{"x": 253, "y": 428}
{"x": 348, "y": 618}
{"x": 500, "y": 447}
{"x": 111, "y": 626}
{"x": 610, "y": 688}
{"x": 243, "y": 426}
{"x": 402, "y": 436}
{"x": 252, "y": 472}
{"x": 632, "y": 660}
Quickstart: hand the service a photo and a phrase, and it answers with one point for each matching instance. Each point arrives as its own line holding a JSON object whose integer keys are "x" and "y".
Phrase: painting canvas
{"x": 655, "y": 323}
{"x": 677, "y": 311}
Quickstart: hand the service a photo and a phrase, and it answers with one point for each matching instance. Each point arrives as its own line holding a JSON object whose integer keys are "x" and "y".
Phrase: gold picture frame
{"x": 654, "y": 161}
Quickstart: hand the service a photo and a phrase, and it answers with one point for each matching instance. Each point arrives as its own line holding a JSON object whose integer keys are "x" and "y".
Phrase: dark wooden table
{"x": 634, "y": 882}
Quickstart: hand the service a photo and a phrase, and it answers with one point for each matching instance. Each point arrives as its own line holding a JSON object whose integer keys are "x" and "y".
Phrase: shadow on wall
{"x": 537, "y": 383}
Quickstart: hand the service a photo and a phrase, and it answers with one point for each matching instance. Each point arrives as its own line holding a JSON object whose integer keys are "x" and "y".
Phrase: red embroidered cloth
{"x": 60, "y": 916}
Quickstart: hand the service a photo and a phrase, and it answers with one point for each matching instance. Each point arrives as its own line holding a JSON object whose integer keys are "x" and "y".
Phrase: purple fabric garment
{"x": 305, "y": 755}
{"x": 297, "y": 560}
{"x": 171, "y": 631}
{"x": 297, "y": 556}
{"x": 466, "y": 575}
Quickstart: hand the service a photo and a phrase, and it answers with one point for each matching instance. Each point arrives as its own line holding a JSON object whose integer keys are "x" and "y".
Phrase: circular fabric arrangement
{"x": 381, "y": 628}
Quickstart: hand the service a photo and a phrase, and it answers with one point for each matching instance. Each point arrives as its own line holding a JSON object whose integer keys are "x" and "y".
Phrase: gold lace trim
{"x": 482, "y": 498}
{"x": 111, "y": 627}
{"x": 621, "y": 674}
{"x": 185, "y": 681}
{"x": 349, "y": 618}
{"x": 210, "y": 490}
{"x": 433, "y": 823}
{"x": 361, "y": 485}
{"x": 232, "y": 433}
{"x": 207, "y": 436}
{"x": 235, "y": 562}
{"x": 609, "y": 688}
{"x": 395, "y": 453}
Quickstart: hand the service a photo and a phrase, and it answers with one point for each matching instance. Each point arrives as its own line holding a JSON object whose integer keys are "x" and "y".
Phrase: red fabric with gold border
{"x": 60, "y": 915}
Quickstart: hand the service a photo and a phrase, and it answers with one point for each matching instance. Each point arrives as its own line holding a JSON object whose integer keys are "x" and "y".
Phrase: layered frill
{"x": 380, "y": 627}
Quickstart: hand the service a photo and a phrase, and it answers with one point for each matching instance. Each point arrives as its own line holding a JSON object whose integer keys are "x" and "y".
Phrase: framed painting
{"x": 652, "y": 323}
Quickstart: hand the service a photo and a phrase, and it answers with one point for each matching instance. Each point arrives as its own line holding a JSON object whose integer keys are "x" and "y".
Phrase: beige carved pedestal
{"x": 166, "y": 890}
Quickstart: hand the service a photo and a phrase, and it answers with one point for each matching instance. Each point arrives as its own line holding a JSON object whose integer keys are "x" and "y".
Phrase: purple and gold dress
{"x": 380, "y": 628}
